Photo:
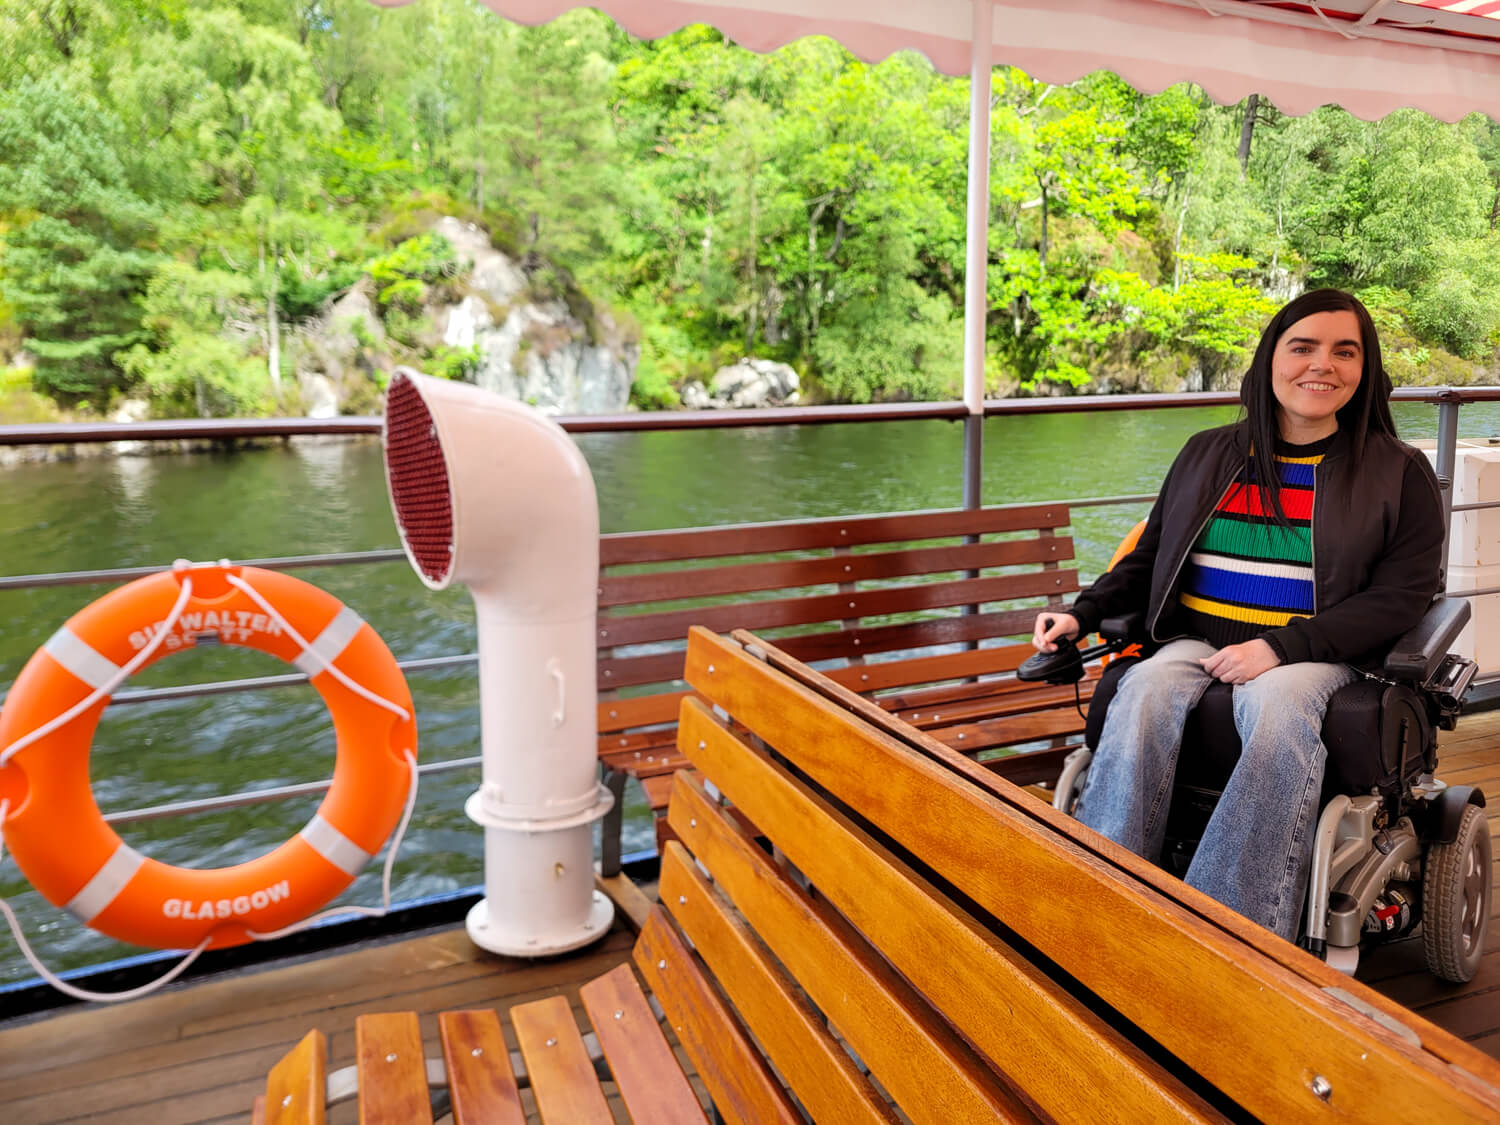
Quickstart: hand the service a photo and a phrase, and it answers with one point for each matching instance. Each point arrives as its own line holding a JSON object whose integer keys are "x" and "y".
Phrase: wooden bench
{"x": 860, "y": 924}
{"x": 880, "y": 603}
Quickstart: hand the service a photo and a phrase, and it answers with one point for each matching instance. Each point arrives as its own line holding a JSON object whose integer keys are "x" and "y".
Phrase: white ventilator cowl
{"x": 490, "y": 494}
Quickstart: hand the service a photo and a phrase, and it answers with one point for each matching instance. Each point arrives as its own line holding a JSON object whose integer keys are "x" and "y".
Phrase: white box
{"x": 1474, "y": 537}
{"x": 1480, "y": 639}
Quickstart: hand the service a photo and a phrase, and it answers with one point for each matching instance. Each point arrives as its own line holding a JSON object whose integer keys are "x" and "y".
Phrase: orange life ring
{"x": 54, "y": 828}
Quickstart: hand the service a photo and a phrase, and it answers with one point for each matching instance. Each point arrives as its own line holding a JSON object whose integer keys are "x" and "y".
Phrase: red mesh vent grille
{"x": 419, "y": 480}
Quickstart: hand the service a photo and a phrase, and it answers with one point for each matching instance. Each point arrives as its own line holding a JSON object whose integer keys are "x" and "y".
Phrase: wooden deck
{"x": 200, "y": 1052}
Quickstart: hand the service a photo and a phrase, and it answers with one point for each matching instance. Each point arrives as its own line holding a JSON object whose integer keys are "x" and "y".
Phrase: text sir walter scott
{"x": 231, "y": 625}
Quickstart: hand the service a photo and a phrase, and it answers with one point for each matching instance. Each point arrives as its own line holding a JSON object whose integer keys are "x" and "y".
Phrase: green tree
{"x": 194, "y": 364}
{"x": 554, "y": 141}
{"x": 75, "y": 255}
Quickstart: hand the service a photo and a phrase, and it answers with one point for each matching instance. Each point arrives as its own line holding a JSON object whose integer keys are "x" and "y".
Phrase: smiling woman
{"x": 1283, "y": 553}
{"x": 1317, "y": 369}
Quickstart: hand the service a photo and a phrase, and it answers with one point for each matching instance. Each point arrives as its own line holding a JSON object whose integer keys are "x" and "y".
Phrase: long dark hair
{"x": 1369, "y": 411}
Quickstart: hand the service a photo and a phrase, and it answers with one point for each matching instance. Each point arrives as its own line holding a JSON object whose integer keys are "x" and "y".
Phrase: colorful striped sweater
{"x": 1246, "y": 573}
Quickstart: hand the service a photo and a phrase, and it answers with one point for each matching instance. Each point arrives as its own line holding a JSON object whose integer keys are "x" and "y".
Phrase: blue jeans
{"x": 1257, "y": 848}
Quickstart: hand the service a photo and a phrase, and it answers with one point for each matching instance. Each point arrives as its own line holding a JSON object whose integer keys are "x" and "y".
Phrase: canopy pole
{"x": 976, "y": 301}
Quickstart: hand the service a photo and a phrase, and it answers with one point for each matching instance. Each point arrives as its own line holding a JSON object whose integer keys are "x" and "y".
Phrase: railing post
{"x": 1447, "y": 458}
{"x": 973, "y": 459}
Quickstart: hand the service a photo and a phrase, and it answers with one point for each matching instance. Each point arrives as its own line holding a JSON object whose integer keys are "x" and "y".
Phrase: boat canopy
{"x": 1368, "y": 56}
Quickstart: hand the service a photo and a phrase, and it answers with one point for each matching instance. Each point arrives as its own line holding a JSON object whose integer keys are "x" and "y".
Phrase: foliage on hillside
{"x": 179, "y": 182}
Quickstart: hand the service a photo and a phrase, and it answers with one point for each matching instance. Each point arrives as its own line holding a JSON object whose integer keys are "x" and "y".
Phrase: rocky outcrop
{"x": 339, "y": 351}
{"x": 541, "y": 355}
{"x": 748, "y": 384}
{"x": 489, "y": 271}
{"x": 563, "y": 357}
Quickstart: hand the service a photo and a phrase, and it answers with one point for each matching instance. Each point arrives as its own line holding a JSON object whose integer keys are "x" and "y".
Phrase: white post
{"x": 976, "y": 303}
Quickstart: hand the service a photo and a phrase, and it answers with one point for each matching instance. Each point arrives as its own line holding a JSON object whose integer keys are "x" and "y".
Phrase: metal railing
{"x": 1448, "y": 401}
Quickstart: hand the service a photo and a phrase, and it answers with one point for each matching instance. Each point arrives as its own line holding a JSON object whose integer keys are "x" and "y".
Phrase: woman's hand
{"x": 1239, "y": 664}
{"x": 1050, "y": 625}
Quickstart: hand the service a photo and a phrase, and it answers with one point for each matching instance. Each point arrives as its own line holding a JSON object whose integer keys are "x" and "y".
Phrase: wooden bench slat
{"x": 889, "y": 674}
{"x": 1031, "y": 767}
{"x": 297, "y": 1085}
{"x": 658, "y": 789}
{"x": 480, "y": 1079}
{"x": 619, "y": 672}
{"x": 720, "y": 581}
{"x": 752, "y": 539}
{"x": 557, "y": 1062}
{"x": 932, "y": 1075}
{"x": 637, "y": 749}
{"x": 623, "y": 714}
{"x": 816, "y": 1068}
{"x": 994, "y": 700}
{"x": 640, "y": 1058}
{"x": 934, "y": 695}
{"x": 1006, "y": 1007}
{"x": 1252, "y": 1028}
{"x": 778, "y": 613}
{"x": 392, "y": 1070}
{"x": 738, "y": 1079}
{"x": 1010, "y": 730}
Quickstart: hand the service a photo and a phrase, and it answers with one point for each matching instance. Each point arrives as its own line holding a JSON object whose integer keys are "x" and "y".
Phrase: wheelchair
{"x": 1395, "y": 847}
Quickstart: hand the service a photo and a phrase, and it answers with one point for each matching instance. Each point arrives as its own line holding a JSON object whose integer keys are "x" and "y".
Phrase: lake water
{"x": 325, "y": 497}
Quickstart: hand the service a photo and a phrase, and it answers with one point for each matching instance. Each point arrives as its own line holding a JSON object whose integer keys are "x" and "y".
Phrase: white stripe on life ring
{"x": 334, "y": 846}
{"x": 81, "y": 659}
{"x": 331, "y": 642}
{"x": 106, "y": 884}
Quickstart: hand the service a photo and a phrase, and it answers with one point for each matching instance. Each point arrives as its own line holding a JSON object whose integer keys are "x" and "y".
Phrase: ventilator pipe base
{"x": 539, "y": 895}
{"x": 492, "y": 935}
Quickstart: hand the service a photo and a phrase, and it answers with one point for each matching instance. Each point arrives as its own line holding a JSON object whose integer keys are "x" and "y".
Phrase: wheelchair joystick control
{"x": 1065, "y": 666}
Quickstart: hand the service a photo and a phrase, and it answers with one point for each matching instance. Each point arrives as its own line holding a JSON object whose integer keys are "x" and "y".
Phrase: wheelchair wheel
{"x": 1456, "y": 899}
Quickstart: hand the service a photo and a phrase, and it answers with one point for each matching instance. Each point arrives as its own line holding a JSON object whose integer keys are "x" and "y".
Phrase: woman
{"x": 1284, "y": 552}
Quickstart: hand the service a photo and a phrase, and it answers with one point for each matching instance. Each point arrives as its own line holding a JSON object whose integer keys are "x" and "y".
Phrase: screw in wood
{"x": 1321, "y": 1087}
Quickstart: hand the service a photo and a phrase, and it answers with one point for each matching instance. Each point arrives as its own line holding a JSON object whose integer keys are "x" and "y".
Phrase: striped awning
{"x": 1369, "y": 56}
{"x": 1487, "y": 9}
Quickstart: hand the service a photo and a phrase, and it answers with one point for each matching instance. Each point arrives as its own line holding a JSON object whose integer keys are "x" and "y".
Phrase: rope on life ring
{"x": 60, "y": 840}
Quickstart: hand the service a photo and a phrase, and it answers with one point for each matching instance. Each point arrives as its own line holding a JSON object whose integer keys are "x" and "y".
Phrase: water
{"x": 317, "y": 498}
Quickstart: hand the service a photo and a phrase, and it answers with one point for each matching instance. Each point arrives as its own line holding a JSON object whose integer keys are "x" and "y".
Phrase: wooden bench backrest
{"x": 830, "y": 590}
{"x": 885, "y": 900}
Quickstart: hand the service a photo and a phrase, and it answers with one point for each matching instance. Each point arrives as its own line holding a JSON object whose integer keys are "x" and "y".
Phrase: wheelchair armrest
{"x": 1132, "y": 626}
{"x": 1420, "y": 649}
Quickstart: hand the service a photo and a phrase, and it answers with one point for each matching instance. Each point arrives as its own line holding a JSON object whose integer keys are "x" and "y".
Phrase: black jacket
{"x": 1377, "y": 547}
